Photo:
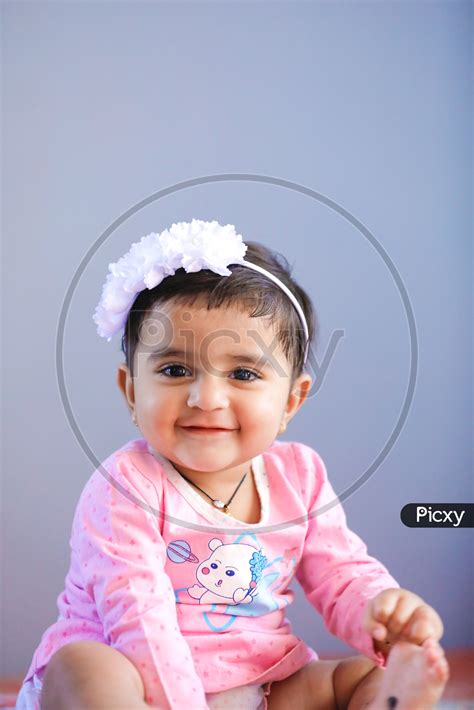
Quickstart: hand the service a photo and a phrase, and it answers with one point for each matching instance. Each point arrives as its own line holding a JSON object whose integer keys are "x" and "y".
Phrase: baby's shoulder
{"x": 301, "y": 456}
{"x": 130, "y": 470}
{"x": 299, "y": 463}
{"x": 125, "y": 491}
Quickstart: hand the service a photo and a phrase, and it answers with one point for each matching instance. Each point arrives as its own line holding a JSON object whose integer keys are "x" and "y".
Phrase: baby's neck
{"x": 242, "y": 501}
{"x": 214, "y": 481}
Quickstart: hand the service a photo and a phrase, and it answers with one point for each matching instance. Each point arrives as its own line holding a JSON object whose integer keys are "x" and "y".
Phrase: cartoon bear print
{"x": 229, "y": 575}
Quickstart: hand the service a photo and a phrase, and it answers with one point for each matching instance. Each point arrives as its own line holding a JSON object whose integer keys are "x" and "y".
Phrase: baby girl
{"x": 186, "y": 539}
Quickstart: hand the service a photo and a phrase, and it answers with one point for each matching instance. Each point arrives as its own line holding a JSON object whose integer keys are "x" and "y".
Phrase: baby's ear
{"x": 125, "y": 384}
{"x": 214, "y": 543}
{"x": 302, "y": 386}
{"x": 298, "y": 394}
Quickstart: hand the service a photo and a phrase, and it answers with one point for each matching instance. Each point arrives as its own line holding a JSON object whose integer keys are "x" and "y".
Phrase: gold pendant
{"x": 226, "y": 510}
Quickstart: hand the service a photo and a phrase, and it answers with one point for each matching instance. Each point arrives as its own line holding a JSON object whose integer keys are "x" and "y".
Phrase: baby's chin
{"x": 201, "y": 465}
{"x": 206, "y": 459}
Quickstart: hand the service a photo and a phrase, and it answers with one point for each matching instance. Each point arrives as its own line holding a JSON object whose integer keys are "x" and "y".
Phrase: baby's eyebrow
{"x": 247, "y": 357}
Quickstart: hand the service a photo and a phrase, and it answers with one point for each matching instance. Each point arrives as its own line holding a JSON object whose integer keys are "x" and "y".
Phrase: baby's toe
{"x": 432, "y": 650}
{"x": 431, "y": 646}
{"x": 435, "y": 660}
{"x": 439, "y": 672}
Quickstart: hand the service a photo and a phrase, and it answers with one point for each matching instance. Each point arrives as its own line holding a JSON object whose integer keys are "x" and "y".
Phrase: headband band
{"x": 193, "y": 246}
{"x": 290, "y": 295}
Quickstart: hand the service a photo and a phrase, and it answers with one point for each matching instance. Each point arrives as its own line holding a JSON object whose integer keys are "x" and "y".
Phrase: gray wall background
{"x": 366, "y": 102}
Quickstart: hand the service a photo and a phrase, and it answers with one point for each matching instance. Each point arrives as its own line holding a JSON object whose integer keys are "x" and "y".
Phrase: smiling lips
{"x": 206, "y": 431}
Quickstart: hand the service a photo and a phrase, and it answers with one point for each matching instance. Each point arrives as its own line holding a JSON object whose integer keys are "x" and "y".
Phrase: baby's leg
{"x": 92, "y": 675}
{"x": 310, "y": 688}
{"x": 415, "y": 677}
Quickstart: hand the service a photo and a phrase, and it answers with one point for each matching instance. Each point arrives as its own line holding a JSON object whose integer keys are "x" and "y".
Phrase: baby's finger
{"x": 406, "y": 606}
{"x": 378, "y": 611}
{"x": 384, "y": 605}
{"x": 424, "y": 623}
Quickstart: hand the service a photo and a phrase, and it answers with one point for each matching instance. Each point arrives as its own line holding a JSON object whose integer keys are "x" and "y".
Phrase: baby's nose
{"x": 208, "y": 392}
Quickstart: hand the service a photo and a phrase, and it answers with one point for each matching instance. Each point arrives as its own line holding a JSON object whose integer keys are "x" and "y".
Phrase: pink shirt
{"x": 195, "y": 598}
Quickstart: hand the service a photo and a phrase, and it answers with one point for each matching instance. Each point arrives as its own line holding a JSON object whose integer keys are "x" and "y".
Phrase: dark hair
{"x": 245, "y": 288}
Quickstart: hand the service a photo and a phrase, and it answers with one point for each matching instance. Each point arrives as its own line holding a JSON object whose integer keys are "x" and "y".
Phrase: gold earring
{"x": 282, "y": 428}
{"x": 134, "y": 418}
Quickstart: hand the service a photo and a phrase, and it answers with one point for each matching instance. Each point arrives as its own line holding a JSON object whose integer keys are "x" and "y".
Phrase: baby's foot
{"x": 414, "y": 678}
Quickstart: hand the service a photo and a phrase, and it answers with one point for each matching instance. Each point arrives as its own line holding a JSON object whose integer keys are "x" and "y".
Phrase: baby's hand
{"x": 399, "y": 615}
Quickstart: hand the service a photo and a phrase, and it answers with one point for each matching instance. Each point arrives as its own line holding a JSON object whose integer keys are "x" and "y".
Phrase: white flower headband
{"x": 192, "y": 246}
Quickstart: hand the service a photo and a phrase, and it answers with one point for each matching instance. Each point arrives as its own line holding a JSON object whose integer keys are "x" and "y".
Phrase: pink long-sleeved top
{"x": 196, "y": 599}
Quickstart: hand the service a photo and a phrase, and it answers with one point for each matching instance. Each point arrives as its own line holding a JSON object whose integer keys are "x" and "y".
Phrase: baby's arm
{"x": 121, "y": 555}
{"x": 337, "y": 574}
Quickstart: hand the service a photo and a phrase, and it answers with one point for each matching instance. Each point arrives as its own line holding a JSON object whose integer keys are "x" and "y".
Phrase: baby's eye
{"x": 178, "y": 371}
{"x": 244, "y": 370}
{"x": 230, "y": 572}
{"x": 172, "y": 367}
{"x": 213, "y": 565}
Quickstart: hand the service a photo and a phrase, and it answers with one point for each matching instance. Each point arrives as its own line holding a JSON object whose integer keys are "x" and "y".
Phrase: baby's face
{"x": 208, "y": 381}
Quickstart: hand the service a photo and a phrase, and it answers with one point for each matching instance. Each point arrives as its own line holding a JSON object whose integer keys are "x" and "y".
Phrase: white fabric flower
{"x": 193, "y": 246}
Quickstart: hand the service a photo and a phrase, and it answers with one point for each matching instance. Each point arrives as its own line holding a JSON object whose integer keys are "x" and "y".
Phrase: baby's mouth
{"x": 218, "y": 584}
